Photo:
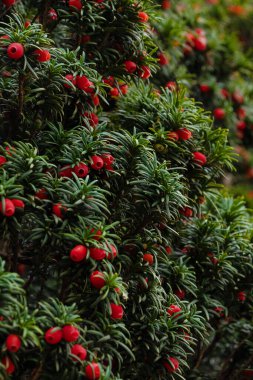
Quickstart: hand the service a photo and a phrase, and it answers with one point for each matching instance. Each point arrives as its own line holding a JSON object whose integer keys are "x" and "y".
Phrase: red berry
{"x": 78, "y": 253}
{"x": 180, "y": 294}
{"x": 92, "y": 371}
{"x": 77, "y": 4}
{"x": 59, "y": 210}
{"x": 96, "y": 234}
{"x": 184, "y": 134}
{"x": 52, "y": 14}
{"x": 70, "y": 333}
{"x": 85, "y": 39}
{"x": 124, "y": 89}
{"x": 66, "y": 171}
{"x": 78, "y": 351}
{"x": 241, "y": 113}
{"x": 219, "y": 310}
{"x": 240, "y": 125}
{"x": 237, "y": 97}
{"x": 144, "y": 72}
{"x": 83, "y": 83}
{"x": 168, "y": 250}
{"x": 171, "y": 365}
{"x": 93, "y": 118}
{"x": 172, "y": 136}
{"x": 8, "y": 3}
{"x": 97, "y": 279}
{"x": 172, "y": 86}
{"x": 114, "y": 92}
{"x": 8, "y": 365}
{"x": 70, "y": 78}
{"x": 173, "y": 309}
{"x": 110, "y": 81}
{"x": 108, "y": 160}
{"x": 241, "y": 296}
{"x": 200, "y": 43}
{"x": 148, "y": 258}
{"x": 13, "y": 343}
{"x": 162, "y": 59}
{"x": 15, "y": 50}
{"x": 53, "y": 335}
{"x": 166, "y": 4}
{"x": 2, "y": 160}
{"x": 81, "y": 170}
{"x": 225, "y": 93}
{"x": 95, "y": 100}
{"x": 18, "y": 203}
{"x": 204, "y": 88}
{"x": 143, "y": 16}
{"x": 42, "y": 55}
{"x": 97, "y": 253}
{"x": 27, "y": 24}
{"x": 97, "y": 162}
{"x": 41, "y": 194}
{"x": 117, "y": 311}
{"x": 199, "y": 158}
{"x": 219, "y": 113}
{"x": 7, "y": 207}
{"x": 186, "y": 211}
{"x": 130, "y": 66}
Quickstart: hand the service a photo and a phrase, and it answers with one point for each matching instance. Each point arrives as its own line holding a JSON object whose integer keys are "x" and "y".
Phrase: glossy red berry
{"x": 112, "y": 252}
{"x": 78, "y": 351}
{"x": 15, "y": 51}
{"x": 97, "y": 279}
{"x": 2, "y": 160}
{"x": 186, "y": 211}
{"x": 7, "y": 207}
{"x": 27, "y": 24}
{"x": 114, "y": 92}
{"x": 124, "y": 89}
{"x": 93, "y": 118}
{"x": 8, "y": 365}
{"x": 66, "y": 171}
{"x": 109, "y": 80}
{"x": 162, "y": 59}
{"x": 70, "y": 333}
{"x": 8, "y": 3}
{"x": 52, "y": 14}
{"x": 77, "y": 4}
{"x": 143, "y": 16}
{"x": 130, "y": 66}
{"x": 42, "y": 55}
{"x": 70, "y": 78}
{"x": 240, "y": 125}
{"x": 78, "y": 253}
{"x": 96, "y": 234}
{"x": 199, "y": 158}
{"x": 204, "y": 88}
{"x": 241, "y": 296}
{"x": 180, "y": 294}
{"x": 200, "y": 43}
{"x": 166, "y": 4}
{"x": 219, "y": 113}
{"x": 59, "y": 210}
{"x": 18, "y": 203}
{"x": 173, "y": 309}
{"x": 13, "y": 343}
{"x": 184, "y": 134}
{"x": 148, "y": 258}
{"x": 117, "y": 311}
{"x": 173, "y": 136}
{"x": 237, "y": 97}
{"x": 171, "y": 365}
{"x": 144, "y": 72}
{"x": 241, "y": 113}
{"x": 97, "y": 253}
{"x": 95, "y": 100}
{"x": 81, "y": 170}
{"x": 171, "y": 85}
{"x": 41, "y": 194}
{"x": 92, "y": 371}
{"x": 97, "y": 162}
{"x": 108, "y": 160}
{"x": 83, "y": 83}
{"x": 168, "y": 250}
{"x": 53, "y": 335}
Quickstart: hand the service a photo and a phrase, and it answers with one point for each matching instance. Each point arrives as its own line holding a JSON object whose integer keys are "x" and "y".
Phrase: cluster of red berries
{"x": 9, "y": 206}
{"x": 195, "y": 41}
{"x": 79, "y": 253}
{"x": 142, "y": 71}
{"x": 16, "y": 51}
{"x": 13, "y": 344}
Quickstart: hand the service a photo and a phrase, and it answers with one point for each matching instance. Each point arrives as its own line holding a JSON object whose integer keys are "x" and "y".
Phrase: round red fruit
{"x": 143, "y": 16}
{"x": 42, "y": 55}
{"x": 144, "y": 72}
{"x": 83, "y": 83}
{"x": 204, "y": 88}
{"x": 15, "y": 51}
{"x": 66, "y": 171}
{"x": 97, "y": 279}
{"x": 78, "y": 253}
{"x": 59, "y": 210}
{"x": 241, "y": 296}
{"x": 171, "y": 365}
{"x": 162, "y": 59}
{"x": 219, "y": 113}
{"x": 173, "y": 309}
{"x": 148, "y": 258}
{"x": 112, "y": 252}
{"x": 184, "y": 134}
{"x": 2, "y": 160}
{"x": 117, "y": 311}
{"x": 93, "y": 118}
{"x": 70, "y": 78}
{"x": 92, "y": 371}
{"x": 79, "y": 351}
{"x": 77, "y": 4}
{"x": 187, "y": 212}
{"x": 172, "y": 86}
{"x": 18, "y": 203}
{"x": 52, "y": 14}
{"x": 240, "y": 125}
{"x": 114, "y": 92}
{"x": 172, "y": 136}
{"x": 8, "y": 365}
{"x": 13, "y": 343}
{"x": 97, "y": 253}
{"x": 7, "y": 207}
{"x": 180, "y": 294}
{"x": 41, "y": 194}
{"x": 53, "y": 335}
{"x": 81, "y": 170}
{"x": 130, "y": 66}
{"x": 97, "y": 162}
{"x": 9, "y": 3}
{"x": 70, "y": 333}
{"x": 200, "y": 43}
{"x": 199, "y": 158}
